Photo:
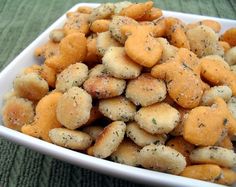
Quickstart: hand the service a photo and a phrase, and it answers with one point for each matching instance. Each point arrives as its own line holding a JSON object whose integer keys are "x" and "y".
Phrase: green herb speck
{"x": 154, "y": 121}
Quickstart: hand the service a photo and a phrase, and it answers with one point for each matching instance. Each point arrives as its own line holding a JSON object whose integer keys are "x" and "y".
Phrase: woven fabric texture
{"x": 21, "y": 21}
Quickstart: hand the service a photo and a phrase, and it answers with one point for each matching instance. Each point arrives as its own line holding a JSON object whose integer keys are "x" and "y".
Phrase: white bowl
{"x": 138, "y": 175}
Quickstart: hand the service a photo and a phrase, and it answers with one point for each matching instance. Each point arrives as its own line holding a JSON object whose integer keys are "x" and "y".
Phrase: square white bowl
{"x": 26, "y": 58}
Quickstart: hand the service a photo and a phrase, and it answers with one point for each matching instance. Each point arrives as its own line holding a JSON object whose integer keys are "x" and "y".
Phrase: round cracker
{"x": 119, "y": 65}
{"x": 214, "y": 155}
{"x": 73, "y": 109}
{"x": 204, "y": 41}
{"x": 104, "y": 86}
{"x": 17, "y": 112}
{"x": 103, "y": 11}
{"x": 162, "y": 158}
{"x": 71, "y": 139}
{"x": 119, "y": 6}
{"x": 104, "y": 41}
{"x": 76, "y": 23}
{"x": 230, "y": 56}
{"x": 146, "y": 90}
{"x": 169, "y": 51}
{"x": 30, "y": 86}
{"x": 73, "y": 75}
{"x": 109, "y": 140}
{"x": 116, "y": 23}
{"x": 56, "y": 35}
{"x": 158, "y": 118}
{"x": 117, "y": 109}
{"x": 209, "y": 96}
{"x": 127, "y": 153}
{"x": 143, "y": 138}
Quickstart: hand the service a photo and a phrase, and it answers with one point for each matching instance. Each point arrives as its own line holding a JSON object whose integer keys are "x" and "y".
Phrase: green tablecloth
{"x": 21, "y": 21}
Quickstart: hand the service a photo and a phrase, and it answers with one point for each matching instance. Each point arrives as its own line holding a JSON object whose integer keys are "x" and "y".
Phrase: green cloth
{"x": 21, "y": 21}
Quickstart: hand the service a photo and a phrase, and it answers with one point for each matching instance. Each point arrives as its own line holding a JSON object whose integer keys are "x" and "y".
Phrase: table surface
{"x": 21, "y": 21}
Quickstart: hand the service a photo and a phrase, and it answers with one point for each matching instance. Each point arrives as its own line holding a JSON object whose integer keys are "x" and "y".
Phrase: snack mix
{"x": 125, "y": 83}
